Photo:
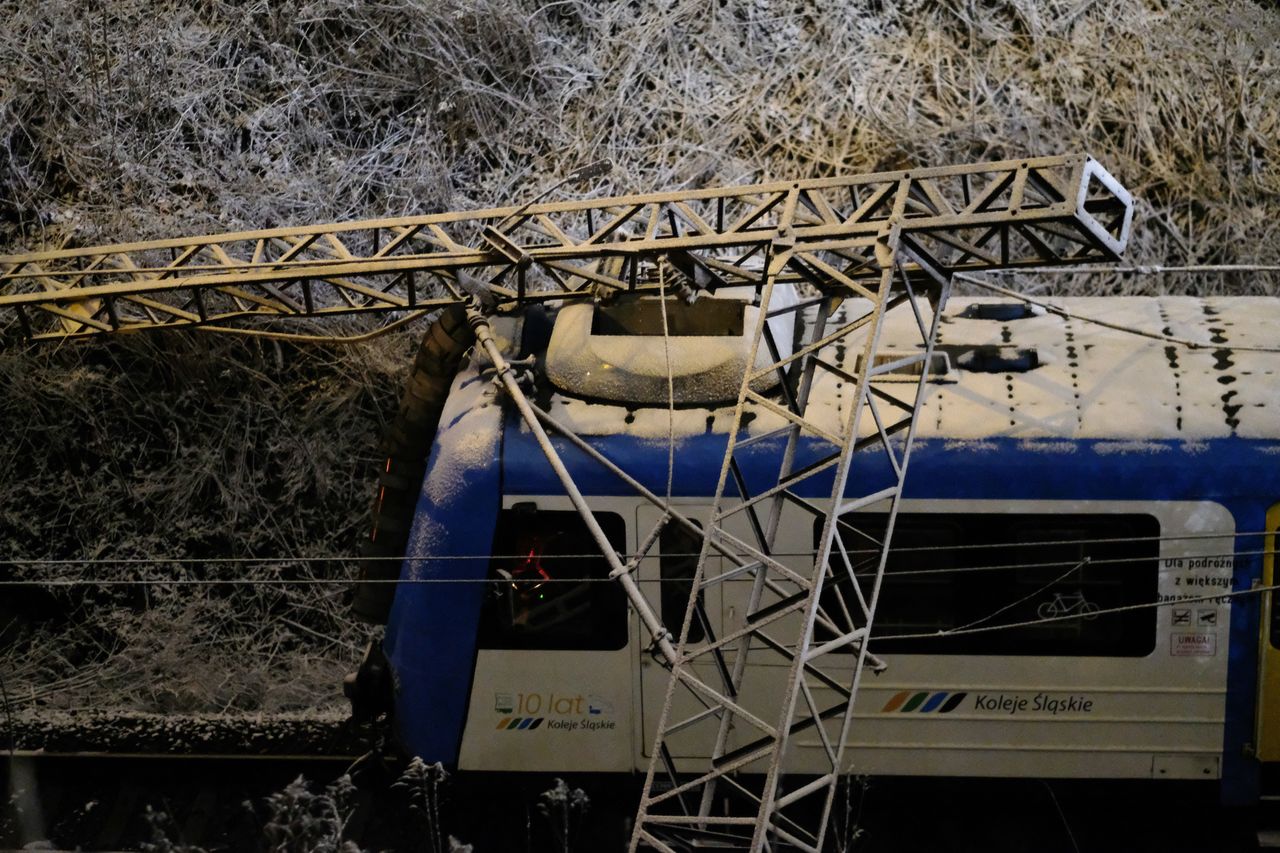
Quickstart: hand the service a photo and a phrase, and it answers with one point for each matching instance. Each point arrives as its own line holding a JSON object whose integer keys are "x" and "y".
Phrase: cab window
{"x": 549, "y": 585}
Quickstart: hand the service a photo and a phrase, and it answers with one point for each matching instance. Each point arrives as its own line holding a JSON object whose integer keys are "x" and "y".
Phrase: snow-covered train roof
{"x": 1088, "y": 381}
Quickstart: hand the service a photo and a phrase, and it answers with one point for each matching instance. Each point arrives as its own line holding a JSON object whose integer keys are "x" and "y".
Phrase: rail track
{"x": 99, "y": 780}
{"x": 112, "y": 782}
{"x": 91, "y": 801}
{"x": 125, "y": 801}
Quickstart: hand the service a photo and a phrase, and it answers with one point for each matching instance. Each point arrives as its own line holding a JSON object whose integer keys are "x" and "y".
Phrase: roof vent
{"x": 617, "y": 352}
{"x": 713, "y": 318}
{"x": 896, "y": 366}
{"x": 1001, "y": 311}
{"x": 989, "y": 358}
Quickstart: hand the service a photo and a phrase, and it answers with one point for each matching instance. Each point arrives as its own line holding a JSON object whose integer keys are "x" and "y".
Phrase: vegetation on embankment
{"x": 123, "y": 119}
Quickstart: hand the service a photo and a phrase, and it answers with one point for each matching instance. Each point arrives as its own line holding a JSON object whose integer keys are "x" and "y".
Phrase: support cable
{"x": 1070, "y": 315}
{"x": 1144, "y": 269}
{"x": 1178, "y": 537}
{"x": 1024, "y": 599}
{"x": 962, "y": 570}
{"x": 980, "y": 629}
{"x": 671, "y": 392}
{"x": 1216, "y": 597}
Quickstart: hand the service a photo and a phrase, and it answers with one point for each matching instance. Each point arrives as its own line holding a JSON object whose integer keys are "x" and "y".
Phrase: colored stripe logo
{"x": 923, "y": 702}
{"x": 519, "y": 723}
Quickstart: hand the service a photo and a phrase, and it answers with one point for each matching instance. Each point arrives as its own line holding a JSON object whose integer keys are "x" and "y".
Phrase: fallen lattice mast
{"x": 883, "y": 242}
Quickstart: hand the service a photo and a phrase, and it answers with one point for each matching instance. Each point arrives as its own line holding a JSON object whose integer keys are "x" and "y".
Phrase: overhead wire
{"x": 671, "y": 392}
{"x": 1106, "y": 611}
{"x": 957, "y": 570}
{"x": 1141, "y": 269}
{"x": 976, "y": 627}
{"x": 1043, "y": 588}
{"x": 301, "y": 558}
{"x": 1143, "y": 333}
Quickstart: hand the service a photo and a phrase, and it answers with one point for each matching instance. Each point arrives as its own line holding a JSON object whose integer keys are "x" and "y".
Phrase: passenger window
{"x": 949, "y": 571}
{"x": 549, "y": 586}
{"x": 678, "y": 558}
{"x": 922, "y": 598}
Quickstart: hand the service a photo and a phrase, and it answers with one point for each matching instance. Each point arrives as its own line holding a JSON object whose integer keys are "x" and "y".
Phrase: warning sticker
{"x": 1193, "y": 645}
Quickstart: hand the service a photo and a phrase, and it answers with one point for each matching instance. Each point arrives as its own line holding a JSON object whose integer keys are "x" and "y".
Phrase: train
{"x": 1077, "y": 586}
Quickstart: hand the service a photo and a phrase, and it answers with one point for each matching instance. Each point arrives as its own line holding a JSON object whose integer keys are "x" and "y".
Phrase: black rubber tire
{"x": 406, "y": 445}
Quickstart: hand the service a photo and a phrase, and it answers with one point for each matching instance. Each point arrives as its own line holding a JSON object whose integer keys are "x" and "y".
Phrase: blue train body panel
{"x": 431, "y": 634}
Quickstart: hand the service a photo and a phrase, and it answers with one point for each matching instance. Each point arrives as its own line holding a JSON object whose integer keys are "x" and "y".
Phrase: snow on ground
{"x": 322, "y": 731}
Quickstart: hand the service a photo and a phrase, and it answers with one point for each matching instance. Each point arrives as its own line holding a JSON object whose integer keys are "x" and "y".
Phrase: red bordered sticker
{"x": 1196, "y": 645}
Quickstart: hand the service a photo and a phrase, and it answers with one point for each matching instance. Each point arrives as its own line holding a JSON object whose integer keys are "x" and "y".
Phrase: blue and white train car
{"x": 1044, "y": 440}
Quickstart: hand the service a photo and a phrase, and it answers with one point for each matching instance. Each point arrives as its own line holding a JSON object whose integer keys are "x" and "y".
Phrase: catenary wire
{"x": 1143, "y": 269}
{"x": 13, "y": 561}
{"x": 671, "y": 388}
{"x": 1216, "y": 597}
{"x": 579, "y": 580}
{"x": 1024, "y": 599}
{"x": 1221, "y": 555}
{"x": 1142, "y": 333}
{"x": 906, "y": 572}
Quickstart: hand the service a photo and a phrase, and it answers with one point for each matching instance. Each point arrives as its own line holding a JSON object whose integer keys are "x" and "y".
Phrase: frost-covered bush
{"x": 152, "y": 117}
{"x": 305, "y": 822}
{"x": 419, "y": 793}
{"x": 165, "y": 837}
{"x": 563, "y": 807}
{"x": 140, "y": 458}
{"x": 124, "y": 119}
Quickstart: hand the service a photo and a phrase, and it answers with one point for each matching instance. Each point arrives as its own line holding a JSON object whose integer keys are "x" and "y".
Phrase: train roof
{"x": 1019, "y": 372}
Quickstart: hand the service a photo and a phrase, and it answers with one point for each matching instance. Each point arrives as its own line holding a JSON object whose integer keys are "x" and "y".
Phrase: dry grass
{"x": 136, "y": 118}
{"x": 181, "y": 448}
{"x": 165, "y": 118}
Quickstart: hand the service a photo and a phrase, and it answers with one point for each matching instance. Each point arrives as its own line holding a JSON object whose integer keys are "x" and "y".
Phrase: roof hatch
{"x": 1003, "y": 311}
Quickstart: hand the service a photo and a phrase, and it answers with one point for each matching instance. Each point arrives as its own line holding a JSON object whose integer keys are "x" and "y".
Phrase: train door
{"x": 552, "y": 683}
{"x": 1268, "y": 734}
{"x": 666, "y": 575}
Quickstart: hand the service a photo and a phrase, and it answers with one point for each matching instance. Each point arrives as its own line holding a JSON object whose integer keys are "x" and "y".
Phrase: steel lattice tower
{"x": 873, "y": 243}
